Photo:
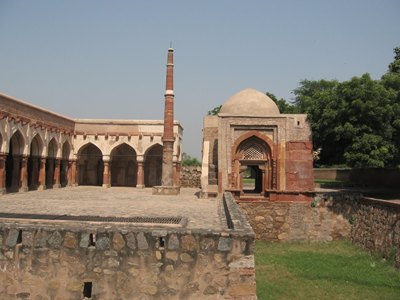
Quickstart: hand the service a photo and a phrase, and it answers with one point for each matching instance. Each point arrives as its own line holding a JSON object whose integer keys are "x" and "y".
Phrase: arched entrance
{"x": 153, "y": 166}
{"x": 34, "y": 162}
{"x": 51, "y": 163}
{"x": 123, "y": 166}
{"x": 66, "y": 150}
{"x": 14, "y": 162}
{"x": 90, "y": 165}
{"x": 252, "y": 165}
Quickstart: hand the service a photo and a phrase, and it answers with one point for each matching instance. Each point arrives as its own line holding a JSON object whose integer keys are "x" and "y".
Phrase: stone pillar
{"x": 177, "y": 174}
{"x": 274, "y": 170}
{"x": 42, "y": 174}
{"x": 56, "y": 174}
{"x": 74, "y": 173}
{"x": 69, "y": 173}
{"x": 140, "y": 175}
{"x": 3, "y": 158}
{"x": 24, "y": 174}
{"x": 106, "y": 174}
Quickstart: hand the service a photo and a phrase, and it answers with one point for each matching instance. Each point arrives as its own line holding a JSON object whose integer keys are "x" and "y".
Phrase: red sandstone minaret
{"x": 168, "y": 136}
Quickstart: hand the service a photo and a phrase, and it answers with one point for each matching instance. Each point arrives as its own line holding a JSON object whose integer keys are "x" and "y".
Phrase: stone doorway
{"x": 251, "y": 166}
{"x": 14, "y": 162}
{"x": 153, "y": 166}
{"x": 90, "y": 165}
{"x": 252, "y": 179}
{"x": 123, "y": 166}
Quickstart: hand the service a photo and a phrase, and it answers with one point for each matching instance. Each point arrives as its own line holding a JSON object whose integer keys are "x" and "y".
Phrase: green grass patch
{"x": 248, "y": 180}
{"x": 335, "y": 270}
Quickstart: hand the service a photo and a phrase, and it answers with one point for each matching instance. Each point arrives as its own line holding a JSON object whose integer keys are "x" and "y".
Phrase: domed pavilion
{"x": 254, "y": 151}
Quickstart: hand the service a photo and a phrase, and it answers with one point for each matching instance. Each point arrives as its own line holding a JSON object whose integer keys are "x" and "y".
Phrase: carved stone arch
{"x": 36, "y": 145}
{"x": 90, "y": 165}
{"x": 153, "y": 165}
{"x": 115, "y": 146}
{"x": 15, "y": 166}
{"x": 123, "y": 165}
{"x": 254, "y": 155}
{"x": 52, "y": 148}
{"x": 17, "y": 143}
{"x": 254, "y": 134}
{"x": 82, "y": 148}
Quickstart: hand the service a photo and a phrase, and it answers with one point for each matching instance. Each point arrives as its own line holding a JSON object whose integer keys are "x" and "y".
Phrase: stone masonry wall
{"x": 190, "y": 176}
{"x": 55, "y": 264}
{"x": 376, "y": 227}
{"x": 324, "y": 219}
{"x": 372, "y": 224}
{"x": 70, "y": 260}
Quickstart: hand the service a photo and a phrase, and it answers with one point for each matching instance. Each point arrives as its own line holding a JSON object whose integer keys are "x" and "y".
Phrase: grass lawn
{"x": 335, "y": 270}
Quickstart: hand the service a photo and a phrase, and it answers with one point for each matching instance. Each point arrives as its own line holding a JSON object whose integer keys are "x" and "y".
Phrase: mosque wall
{"x": 40, "y": 149}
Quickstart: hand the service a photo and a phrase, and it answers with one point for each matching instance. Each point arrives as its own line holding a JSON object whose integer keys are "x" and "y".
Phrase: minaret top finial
{"x": 170, "y": 46}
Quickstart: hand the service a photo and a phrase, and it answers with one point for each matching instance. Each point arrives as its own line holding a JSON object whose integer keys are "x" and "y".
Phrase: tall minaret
{"x": 168, "y": 136}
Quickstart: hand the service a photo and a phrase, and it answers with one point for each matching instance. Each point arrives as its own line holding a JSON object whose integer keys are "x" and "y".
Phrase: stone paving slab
{"x": 117, "y": 202}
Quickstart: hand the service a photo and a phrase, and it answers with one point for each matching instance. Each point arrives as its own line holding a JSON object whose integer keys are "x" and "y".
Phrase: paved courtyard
{"x": 116, "y": 202}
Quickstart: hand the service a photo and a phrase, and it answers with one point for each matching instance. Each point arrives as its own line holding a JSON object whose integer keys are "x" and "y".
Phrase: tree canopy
{"x": 355, "y": 122}
{"x": 187, "y": 160}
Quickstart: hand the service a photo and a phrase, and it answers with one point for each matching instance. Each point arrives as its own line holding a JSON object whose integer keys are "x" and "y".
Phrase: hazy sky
{"x": 106, "y": 59}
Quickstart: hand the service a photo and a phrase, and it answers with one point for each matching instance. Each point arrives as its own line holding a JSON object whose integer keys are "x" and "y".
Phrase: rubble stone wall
{"x": 59, "y": 260}
{"x": 372, "y": 224}
{"x": 190, "y": 176}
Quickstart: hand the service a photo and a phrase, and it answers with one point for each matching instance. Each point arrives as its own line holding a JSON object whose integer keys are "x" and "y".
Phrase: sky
{"x": 107, "y": 59}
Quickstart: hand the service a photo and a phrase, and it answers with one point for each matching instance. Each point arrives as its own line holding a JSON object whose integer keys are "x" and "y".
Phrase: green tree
{"x": 391, "y": 81}
{"x": 187, "y": 160}
{"x": 283, "y": 105}
{"x": 214, "y": 111}
{"x": 351, "y": 120}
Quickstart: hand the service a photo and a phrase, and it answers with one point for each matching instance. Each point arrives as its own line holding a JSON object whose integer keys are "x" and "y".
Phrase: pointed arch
{"x": 36, "y": 150}
{"x": 14, "y": 161}
{"x": 123, "y": 165}
{"x": 153, "y": 165}
{"x": 255, "y": 135}
{"x": 52, "y": 148}
{"x": 253, "y": 157}
{"x": 90, "y": 165}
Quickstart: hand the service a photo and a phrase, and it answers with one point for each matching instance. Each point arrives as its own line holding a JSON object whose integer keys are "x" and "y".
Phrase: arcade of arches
{"x": 42, "y": 150}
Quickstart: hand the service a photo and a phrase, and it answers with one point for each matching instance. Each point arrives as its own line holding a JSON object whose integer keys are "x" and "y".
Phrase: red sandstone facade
{"x": 250, "y": 141}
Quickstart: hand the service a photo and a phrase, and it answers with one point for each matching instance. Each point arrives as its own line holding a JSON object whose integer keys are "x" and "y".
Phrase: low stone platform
{"x": 73, "y": 255}
{"x": 117, "y": 202}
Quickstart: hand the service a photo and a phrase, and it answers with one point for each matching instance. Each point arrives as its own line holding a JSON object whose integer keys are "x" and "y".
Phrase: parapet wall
{"x": 58, "y": 260}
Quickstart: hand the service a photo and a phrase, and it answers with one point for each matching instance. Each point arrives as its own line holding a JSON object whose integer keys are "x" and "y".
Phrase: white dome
{"x": 250, "y": 102}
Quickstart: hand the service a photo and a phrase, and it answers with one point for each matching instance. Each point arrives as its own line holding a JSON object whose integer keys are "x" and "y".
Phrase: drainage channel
{"x": 143, "y": 220}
